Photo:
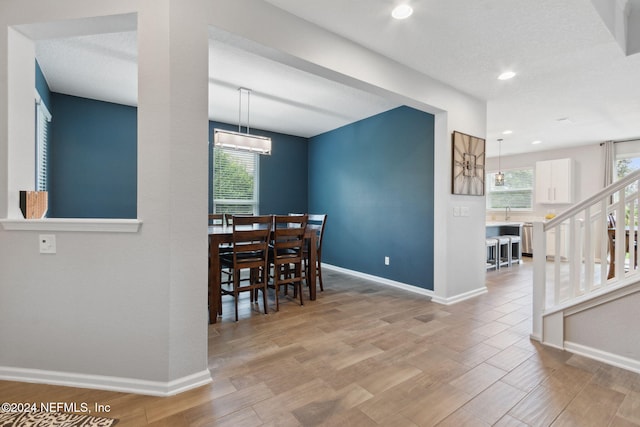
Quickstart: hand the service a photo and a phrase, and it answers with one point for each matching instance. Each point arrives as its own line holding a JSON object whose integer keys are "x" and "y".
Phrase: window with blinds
{"x": 43, "y": 117}
{"x": 235, "y": 181}
{"x": 516, "y": 193}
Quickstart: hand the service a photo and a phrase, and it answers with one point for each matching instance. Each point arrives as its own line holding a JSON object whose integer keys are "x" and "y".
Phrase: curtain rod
{"x": 622, "y": 140}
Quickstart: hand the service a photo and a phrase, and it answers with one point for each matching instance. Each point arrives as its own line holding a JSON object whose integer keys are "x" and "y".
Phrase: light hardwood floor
{"x": 366, "y": 355}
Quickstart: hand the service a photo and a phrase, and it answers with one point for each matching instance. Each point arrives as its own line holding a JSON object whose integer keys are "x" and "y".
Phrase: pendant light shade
{"x": 241, "y": 140}
{"x": 499, "y": 176}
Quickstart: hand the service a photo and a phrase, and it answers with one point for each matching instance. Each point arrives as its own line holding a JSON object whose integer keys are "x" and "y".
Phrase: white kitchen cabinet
{"x": 554, "y": 181}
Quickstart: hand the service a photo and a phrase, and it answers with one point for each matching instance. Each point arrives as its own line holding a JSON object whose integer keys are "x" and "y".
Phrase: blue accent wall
{"x": 283, "y": 174}
{"x": 93, "y": 162}
{"x": 374, "y": 180}
{"x": 93, "y": 159}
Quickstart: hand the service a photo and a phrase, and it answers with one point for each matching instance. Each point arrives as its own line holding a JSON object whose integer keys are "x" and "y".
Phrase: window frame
{"x": 490, "y": 176}
{"x": 255, "y": 201}
{"x": 43, "y": 118}
{"x": 624, "y": 156}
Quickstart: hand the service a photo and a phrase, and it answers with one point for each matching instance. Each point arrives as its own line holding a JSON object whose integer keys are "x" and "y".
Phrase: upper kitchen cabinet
{"x": 554, "y": 181}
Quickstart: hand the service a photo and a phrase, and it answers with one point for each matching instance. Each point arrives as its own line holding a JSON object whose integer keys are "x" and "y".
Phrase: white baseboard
{"x": 101, "y": 382}
{"x": 603, "y": 356}
{"x": 464, "y": 296}
{"x": 409, "y": 288}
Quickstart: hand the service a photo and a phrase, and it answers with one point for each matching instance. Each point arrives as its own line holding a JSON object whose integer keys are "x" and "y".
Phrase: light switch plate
{"x": 47, "y": 243}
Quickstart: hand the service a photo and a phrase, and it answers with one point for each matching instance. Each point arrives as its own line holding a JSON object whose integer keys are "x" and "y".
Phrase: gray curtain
{"x": 609, "y": 157}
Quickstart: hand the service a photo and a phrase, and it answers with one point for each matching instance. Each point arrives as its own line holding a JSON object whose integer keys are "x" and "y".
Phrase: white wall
{"x": 588, "y": 175}
{"x": 114, "y": 310}
{"x": 606, "y": 329}
{"x": 129, "y": 310}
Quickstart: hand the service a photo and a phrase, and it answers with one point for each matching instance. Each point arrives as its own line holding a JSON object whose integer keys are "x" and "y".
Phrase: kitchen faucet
{"x": 507, "y": 213}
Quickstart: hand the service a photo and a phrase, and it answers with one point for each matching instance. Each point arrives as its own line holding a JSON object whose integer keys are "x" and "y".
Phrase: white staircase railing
{"x": 581, "y": 254}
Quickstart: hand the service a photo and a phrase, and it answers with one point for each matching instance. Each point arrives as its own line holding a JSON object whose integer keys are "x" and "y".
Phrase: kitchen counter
{"x": 501, "y": 228}
{"x": 501, "y": 223}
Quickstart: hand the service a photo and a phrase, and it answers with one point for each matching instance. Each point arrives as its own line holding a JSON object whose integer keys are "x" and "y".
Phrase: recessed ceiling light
{"x": 402, "y": 11}
{"x": 507, "y": 132}
{"x": 537, "y": 141}
{"x": 506, "y": 75}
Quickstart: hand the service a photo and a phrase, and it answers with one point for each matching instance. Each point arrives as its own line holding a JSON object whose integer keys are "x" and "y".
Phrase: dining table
{"x": 220, "y": 234}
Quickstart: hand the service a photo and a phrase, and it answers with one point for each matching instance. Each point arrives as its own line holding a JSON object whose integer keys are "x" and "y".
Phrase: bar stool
{"x": 515, "y": 242}
{"x": 504, "y": 250}
{"x": 492, "y": 253}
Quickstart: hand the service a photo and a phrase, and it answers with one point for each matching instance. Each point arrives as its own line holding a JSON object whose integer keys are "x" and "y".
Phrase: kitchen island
{"x": 501, "y": 228}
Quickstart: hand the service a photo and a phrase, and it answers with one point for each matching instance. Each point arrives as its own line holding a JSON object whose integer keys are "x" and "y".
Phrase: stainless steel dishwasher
{"x": 527, "y": 239}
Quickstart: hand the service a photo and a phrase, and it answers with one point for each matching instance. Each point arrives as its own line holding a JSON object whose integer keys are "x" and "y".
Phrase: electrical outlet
{"x": 47, "y": 243}
{"x": 386, "y": 260}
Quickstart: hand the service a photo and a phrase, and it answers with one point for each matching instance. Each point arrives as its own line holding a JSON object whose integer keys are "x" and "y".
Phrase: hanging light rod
{"x": 242, "y": 140}
{"x": 499, "y": 176}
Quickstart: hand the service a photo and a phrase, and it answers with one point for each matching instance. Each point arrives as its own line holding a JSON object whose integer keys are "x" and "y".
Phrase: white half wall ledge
{"x": 73, "y": 224}
{"x": 410, "y": 288}
{"x": 102, "y": 382}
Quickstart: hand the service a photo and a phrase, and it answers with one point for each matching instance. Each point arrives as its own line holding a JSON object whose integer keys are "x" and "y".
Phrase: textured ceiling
{"x": 569, "y": 65}
{"x": 568, "y": 62}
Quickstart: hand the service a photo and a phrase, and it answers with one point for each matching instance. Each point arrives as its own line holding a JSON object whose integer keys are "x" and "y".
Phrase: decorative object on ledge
{"x": 240, "y": 140}
{"x": 468, "y": 165}
{"x": 34, "y": 204}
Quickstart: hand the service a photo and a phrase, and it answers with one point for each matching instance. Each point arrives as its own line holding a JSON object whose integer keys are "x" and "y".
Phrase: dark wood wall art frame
{"x": 468, "y": 164}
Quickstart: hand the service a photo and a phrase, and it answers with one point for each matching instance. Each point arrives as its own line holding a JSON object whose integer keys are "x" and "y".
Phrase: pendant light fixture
{"x": 240, "y": 140}
{"x": 499, "y": 176}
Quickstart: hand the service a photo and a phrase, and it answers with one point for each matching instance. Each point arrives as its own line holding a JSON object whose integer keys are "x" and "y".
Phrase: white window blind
{"x": 43, "y": 117}
{"x": 516, "y": 193}
{"x": 235, "y": 181}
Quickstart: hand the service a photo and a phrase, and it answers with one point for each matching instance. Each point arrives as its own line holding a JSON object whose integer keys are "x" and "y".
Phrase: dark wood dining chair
{"x": 316, "y": 222}
{"x": 216, "y": 219}
{"x": 286, "y": 254}
{"x": 250, "y": 251}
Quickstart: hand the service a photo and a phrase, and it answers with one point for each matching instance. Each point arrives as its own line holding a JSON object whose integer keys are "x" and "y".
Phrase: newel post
{"x": 539, "y": 278}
